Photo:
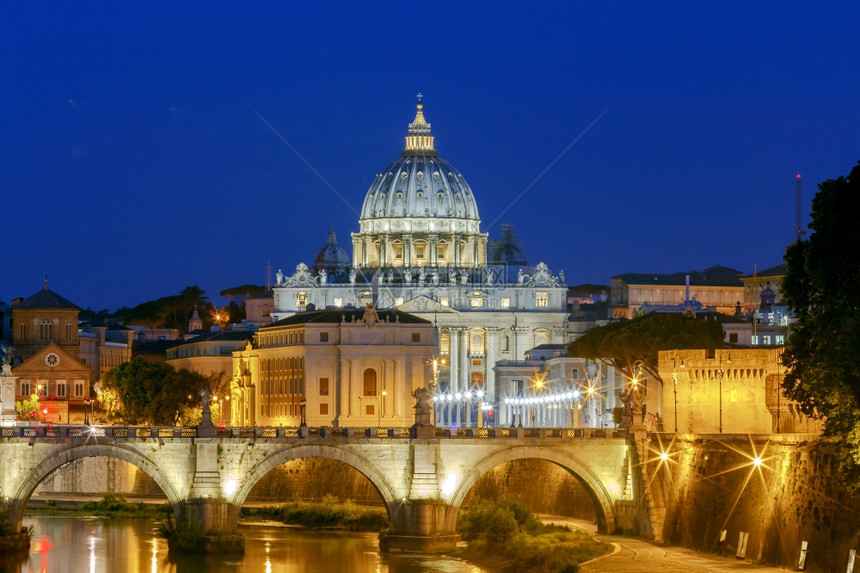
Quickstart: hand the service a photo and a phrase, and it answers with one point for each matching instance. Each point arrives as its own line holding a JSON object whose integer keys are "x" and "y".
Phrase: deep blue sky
{"x": 134, "y": 165}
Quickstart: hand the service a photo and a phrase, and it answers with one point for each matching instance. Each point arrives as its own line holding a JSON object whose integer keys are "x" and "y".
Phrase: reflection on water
{"x": 73, "y": 544}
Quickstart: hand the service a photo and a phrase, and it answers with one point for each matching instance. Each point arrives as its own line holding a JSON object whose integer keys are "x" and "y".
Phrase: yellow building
{"x": 336, "y": 367}
{"x": 718, "y": 288}
{"x": 209, "y": 354}
{"x": 57, "y": 359}
{"x": 731, "y": 391}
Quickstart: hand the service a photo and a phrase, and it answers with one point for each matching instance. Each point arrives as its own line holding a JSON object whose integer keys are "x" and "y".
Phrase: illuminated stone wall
{"x": 795, "y": 495}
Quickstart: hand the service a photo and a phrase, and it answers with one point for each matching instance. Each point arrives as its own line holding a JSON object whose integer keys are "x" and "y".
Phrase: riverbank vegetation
{"x": 505, "y": 536}
{"x": 110, "y": 505}
{"x": 330, "y": 513}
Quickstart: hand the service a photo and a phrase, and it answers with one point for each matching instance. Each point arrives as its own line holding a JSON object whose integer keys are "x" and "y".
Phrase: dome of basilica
{"x": 420, "y": 185}
{"x": 331, "y": 258}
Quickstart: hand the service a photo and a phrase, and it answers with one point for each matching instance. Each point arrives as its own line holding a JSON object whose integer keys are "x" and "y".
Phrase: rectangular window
{"x": 765, "y": 339}
{"x": 323, "y": 409}
{"x": 541, "y": 299}
{"x": 779, "y": 339}
{"x": 68, "y": 331}
{"x": 419, "y": 252}
{"x": 302, "y": 299}
{"x": 754, "y": 339}
{"x": 61, "y": 389}
{"x": 505, "y": 302}
{"x": 323, "y": 386}
{"x": 22, "y": 331}
{"x": 338, "y": 302}
{"x": 574, "y": 373}
{"x": 79, "y": 389}
{"x": 398, "y": 252}
{"x": 476, "y": 302}
{"x": 25, "y": 389}
{"x": 368, "y": 410}
{"x": 323, "y": 336}
{"x": 733, "y": 337}
{"x": 416, "y": 337}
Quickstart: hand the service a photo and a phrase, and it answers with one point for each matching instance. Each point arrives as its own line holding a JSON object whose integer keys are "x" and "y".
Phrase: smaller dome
{"x": 332, "y": 258}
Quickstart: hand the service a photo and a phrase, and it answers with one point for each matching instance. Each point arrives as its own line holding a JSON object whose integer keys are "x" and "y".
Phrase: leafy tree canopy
{"x": 170, "y": 311}
{"x": 820, "y": 285}
{"x": 622, "y": 344}
{"x": 238, "y": 295}
{"x": 152, "y": 392}
{"x": 243, "y": 292}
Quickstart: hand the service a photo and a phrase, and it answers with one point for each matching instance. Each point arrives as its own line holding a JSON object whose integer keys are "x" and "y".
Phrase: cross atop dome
{"x": 419, "y": 138}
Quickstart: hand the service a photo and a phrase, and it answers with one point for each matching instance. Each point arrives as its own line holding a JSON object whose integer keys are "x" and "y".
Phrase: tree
{"x": 152, "y": 392}
{"x": 30, "y": 408}
{"x": 625, "y": 343}
{"x": 170, "y": 311}
{"x": 820, "y": 285}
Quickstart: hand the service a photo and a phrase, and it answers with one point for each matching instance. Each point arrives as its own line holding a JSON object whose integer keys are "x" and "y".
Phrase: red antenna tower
{"x": 799, "y": 233}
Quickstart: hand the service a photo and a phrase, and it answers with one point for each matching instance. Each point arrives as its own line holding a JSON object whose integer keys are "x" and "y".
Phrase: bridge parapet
{"x": 56, "y": 431}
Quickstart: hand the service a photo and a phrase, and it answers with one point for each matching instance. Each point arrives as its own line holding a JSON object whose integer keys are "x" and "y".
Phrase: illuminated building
{"x": 420, "y": 249}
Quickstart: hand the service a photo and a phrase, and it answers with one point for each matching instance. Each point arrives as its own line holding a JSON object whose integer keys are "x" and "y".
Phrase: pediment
{"x": 39, "y": 363}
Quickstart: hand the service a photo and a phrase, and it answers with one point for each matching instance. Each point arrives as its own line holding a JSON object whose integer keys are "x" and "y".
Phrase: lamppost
{"x": 721, "y": 373}
{"x": 384, "y": 394}
{"x": 302, "y": 405}
{"x": 675, "y": 387}
{"x": 86, "y": 411}
{"x": 538, "y": 385}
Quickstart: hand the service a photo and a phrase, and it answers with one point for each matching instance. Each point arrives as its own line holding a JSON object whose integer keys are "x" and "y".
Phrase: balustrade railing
{"x": 62, "y": 432}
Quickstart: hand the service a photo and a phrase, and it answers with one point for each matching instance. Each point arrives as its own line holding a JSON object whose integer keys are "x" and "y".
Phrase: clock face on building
{"x": 52, "y": 359}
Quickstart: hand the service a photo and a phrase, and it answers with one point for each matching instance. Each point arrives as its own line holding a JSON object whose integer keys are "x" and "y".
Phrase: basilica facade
{"x": 420, "y": 249}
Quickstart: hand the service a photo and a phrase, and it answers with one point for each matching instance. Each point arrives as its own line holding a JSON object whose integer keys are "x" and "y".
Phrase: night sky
{"x": 133, "y": 163}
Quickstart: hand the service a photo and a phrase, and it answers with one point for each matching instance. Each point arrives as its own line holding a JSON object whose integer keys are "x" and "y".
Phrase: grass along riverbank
{"x": 110, "y": 505}
{"x": 505, "y": 536}
{"x": 329, "y": 513}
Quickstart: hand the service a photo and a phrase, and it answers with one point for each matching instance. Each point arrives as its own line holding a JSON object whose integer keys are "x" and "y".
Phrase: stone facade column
{"x": 490, "y": 379}
{"x": 407, "y": 249}
{"x": 433, "y": 245}
{"x": 520, "y": 344}
{"x": 453, "y": 359}
{"x": 357, "y": 245}
{"x": 455, "y": 244}
{"x": 383, "y": 250}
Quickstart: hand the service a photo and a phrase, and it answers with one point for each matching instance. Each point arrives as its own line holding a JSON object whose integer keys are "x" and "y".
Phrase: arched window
{"x": 541, "y": 337}
{"x": 476, "y": 343}
{"x": 370, "y": 382}
{"x": 46, "y": 330}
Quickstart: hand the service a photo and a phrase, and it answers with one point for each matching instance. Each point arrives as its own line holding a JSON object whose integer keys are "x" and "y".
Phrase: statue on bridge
{"x": 423, "y": 406}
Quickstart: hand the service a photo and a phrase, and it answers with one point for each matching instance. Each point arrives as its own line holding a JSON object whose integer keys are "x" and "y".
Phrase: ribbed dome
{"x": 420, "y": 184}
{"x": 331, "y": 258}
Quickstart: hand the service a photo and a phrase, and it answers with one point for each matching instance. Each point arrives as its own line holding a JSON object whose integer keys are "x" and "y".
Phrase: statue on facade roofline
{"x": 370, "y": 315}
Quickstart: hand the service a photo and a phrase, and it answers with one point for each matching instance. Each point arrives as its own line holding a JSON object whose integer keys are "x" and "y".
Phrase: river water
{"x": 75, "y": 544}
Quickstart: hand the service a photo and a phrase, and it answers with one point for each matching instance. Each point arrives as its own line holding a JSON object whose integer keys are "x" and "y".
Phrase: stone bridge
{"x": 422, "y": 474}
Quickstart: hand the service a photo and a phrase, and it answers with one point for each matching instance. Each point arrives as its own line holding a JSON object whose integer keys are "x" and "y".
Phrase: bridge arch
{"x": 603, "y": 502}
{"x": 57, "y": 458}
{"x": 287, "y": 454}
